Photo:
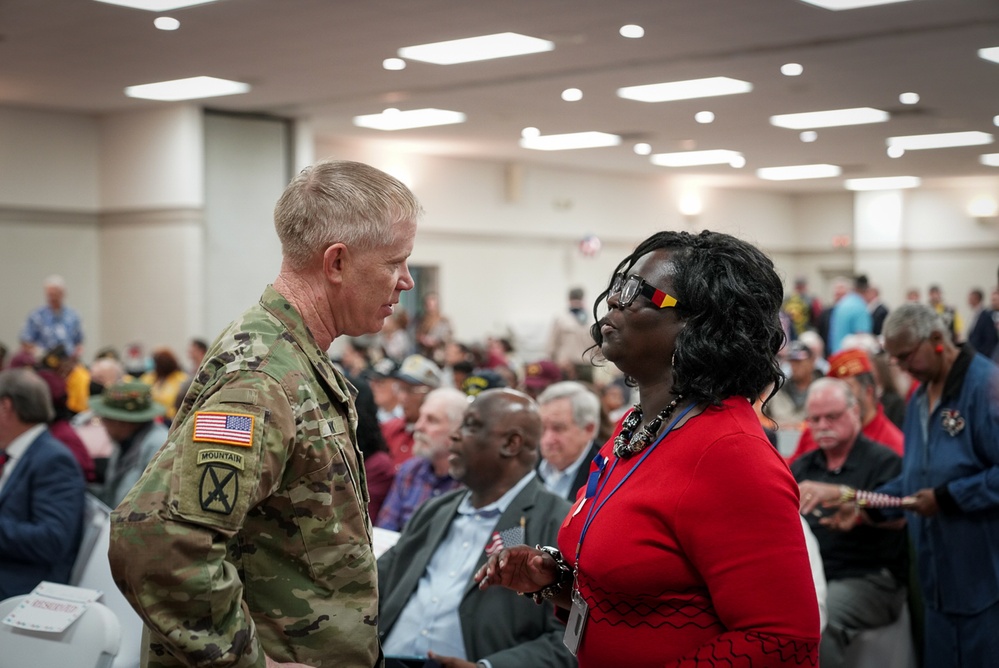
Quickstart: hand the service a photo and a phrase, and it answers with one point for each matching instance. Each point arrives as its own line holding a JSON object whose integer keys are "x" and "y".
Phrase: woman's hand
{"x": 521, "y": 568}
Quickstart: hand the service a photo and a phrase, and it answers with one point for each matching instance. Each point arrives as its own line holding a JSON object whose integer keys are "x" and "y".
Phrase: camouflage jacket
{"x": 248, "y": 534}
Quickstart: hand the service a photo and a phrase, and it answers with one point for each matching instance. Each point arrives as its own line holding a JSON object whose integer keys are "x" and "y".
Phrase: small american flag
{"x": 501, "y": 539}
{"x": 231, "y": 428}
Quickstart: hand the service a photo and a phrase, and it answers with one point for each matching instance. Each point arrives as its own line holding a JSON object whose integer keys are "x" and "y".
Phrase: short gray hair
{"x": 338, "y": 201}
{"x": 919, "y": 320}
{"x": 455, "y": 403}
{"x": 29, "y": 395}
{"x": 585, "y": 405}
{"x": 841, "y": 386}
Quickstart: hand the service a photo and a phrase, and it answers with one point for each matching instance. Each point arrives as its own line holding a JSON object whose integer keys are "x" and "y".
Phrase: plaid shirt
{"x": 414, "y": 483}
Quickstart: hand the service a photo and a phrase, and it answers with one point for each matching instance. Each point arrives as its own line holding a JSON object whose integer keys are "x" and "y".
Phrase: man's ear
{"x": 335, "y": 259}
{"x": 513, "y": 444}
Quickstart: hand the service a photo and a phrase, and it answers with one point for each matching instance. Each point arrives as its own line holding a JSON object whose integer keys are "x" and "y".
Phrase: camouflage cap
{"x": 129, "y": 401}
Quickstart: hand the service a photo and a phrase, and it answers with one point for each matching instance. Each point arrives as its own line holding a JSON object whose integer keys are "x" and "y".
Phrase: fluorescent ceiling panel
{"x": 156, "y": 5}
{"x": 405, "y": 120}
{"x": 838, "y": 5}
{"x": 486, "y": 47}
{"x": 193, "y": 88}
{"x": 795, "y": 172}
{"x": 685, "y": 90}
{"x": 989, "y": 159}
{"x": 883, "y": 183}
{"x": 991, "y": 53}
{"x": 830, "y": 119}
{"x": 694, "y": 158}
{"x": 570, "y": 141}
{"x": 942, "y": 140}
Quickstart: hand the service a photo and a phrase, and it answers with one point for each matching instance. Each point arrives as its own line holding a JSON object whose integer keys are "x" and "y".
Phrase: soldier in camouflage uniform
{"x": 247, "y": 541}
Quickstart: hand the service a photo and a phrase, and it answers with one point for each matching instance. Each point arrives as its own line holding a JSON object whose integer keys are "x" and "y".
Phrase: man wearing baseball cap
{"x": 128, "y": 414}
{"x": 417, "y": 376}
{"x": 854, "y": 366}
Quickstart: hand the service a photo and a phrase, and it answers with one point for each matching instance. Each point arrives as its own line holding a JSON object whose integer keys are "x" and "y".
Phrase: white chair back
{"x": 93, "y": 571}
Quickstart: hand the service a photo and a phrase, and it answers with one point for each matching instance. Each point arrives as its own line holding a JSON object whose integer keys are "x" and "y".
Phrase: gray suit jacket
{"x": 497, "y": 624}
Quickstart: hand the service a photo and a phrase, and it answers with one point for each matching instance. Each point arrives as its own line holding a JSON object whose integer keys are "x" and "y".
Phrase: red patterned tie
{"x": 3, "y": 460}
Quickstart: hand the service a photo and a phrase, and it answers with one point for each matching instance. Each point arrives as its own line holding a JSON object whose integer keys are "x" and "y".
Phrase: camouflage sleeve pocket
{"x": 218, "y": 468}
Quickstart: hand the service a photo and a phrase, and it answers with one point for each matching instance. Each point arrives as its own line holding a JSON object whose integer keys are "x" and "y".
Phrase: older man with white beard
{"x": 425, "y": 475}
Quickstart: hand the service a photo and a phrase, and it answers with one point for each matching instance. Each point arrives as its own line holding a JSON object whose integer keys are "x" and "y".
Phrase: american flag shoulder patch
{"x": 228, "y": 428}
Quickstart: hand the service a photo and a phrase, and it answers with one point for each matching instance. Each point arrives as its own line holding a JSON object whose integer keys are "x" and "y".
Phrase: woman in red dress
{"x": 685, "y": 548}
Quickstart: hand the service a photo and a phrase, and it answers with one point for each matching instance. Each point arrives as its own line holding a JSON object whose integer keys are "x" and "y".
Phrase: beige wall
{"x": 122, "y": 212}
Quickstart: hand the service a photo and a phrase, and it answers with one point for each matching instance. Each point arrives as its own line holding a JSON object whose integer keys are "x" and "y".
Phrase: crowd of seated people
{"x": 416, "y": 379}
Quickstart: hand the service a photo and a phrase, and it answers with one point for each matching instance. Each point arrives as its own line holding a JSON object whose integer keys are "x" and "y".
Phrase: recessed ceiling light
{"x": 795, "y": 172}
{"x": 895, "y": 151}
{"x": 572, "y": 95}
{"x": 685, "y": 90}
{"x": 530, "y": 132}
{"x": 570, "y": 141}
{"x": 808, "y": 136}
{"x": 642, "y": 148}
{"x": 470, "y": 49}
{"x": 989, "y": 159}
{"x": 883, "y": 183}
{"x": 166, "y": 23}
{"x": 995, "y": 120}
{"x": 393, "y": 119}
{"x": 942, "y": 140}
{"x": 791, "y": 69}
{"x": 838, "y": 5}
{"x": 909, "y": 98}
{"x": 156, "y": 5}
{"x": 193, "y": 88}
{"x": 738, "y": 161}
{"x": 695, "y": 158}
{"x": 704, "y": 117}
{"x": 991, "y": 53}
{"x": 632, "y": 31}
{"x": 394, "y": 64}
{"x": 830, "y": 119}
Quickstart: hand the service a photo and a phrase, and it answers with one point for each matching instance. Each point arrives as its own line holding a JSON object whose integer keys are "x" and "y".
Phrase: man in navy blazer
{"x": 429, "y": 604}
{"x": 41, "y": 489}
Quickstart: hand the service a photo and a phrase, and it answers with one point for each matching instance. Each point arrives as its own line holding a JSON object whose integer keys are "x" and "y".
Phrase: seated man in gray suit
{"x": 429, "y": 604}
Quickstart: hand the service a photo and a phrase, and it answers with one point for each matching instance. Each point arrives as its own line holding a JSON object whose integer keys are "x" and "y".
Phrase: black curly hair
{"x": 729, "y": 295}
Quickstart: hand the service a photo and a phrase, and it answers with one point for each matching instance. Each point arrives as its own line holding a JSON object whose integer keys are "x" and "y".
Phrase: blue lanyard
{"x": 594, "y": 507}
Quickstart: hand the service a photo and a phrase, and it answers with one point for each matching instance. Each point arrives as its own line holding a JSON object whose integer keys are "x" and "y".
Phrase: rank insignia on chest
{"x": 219, "y": 488}
{"x": 952, "y": 421}
{"x": 228, "y": 428}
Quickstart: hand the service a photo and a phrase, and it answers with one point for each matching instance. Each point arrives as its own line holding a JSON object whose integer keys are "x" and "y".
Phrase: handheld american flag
{"x": 505, "y": 538}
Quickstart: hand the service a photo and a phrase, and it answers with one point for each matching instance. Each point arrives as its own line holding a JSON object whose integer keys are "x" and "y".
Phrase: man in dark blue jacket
{"x": 41, "y": 489}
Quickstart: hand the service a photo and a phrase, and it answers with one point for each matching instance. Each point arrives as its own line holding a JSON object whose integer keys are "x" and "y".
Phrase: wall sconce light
{"x": 690, "y": 205}
{"x": 982, "y": 207}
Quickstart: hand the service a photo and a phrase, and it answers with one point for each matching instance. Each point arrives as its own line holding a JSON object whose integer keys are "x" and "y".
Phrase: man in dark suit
{"x": 41, "y": 489}
{"x": 429, "y": 604}
{"x": 570, "y": 416}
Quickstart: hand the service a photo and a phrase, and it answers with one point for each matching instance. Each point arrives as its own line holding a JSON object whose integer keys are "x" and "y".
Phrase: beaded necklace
{"x": 628, "y": 443}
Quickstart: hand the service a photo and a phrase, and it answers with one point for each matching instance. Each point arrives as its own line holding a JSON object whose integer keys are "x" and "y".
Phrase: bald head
{"x": 497, "y": 444}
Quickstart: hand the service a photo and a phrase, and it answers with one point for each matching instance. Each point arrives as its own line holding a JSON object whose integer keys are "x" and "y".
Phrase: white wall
{"x": 122, "y": 211}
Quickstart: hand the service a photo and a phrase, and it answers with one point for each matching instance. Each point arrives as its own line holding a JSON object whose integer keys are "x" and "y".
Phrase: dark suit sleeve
{"x": 55, "y": 506}
{"x": 547, "y": 649}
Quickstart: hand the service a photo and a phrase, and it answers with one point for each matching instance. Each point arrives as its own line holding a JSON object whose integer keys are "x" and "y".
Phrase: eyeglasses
{"x": 904, "y": 359}
{"x": 627, "y": 288}
{"x": 828, "y": 417}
